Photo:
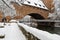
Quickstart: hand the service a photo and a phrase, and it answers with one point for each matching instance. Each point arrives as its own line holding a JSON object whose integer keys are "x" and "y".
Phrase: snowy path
{"x": 43, "y": 35}
{"x": 12, "y": 32}
{"x": 1, "y": 39}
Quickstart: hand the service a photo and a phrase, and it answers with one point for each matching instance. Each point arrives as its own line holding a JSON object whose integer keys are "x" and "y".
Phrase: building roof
{"x": 44, "y": 4}
{"x": 36, "y": 3}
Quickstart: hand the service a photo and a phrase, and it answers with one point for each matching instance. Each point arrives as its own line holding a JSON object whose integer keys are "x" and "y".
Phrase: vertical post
{"x": 3, "y": 19}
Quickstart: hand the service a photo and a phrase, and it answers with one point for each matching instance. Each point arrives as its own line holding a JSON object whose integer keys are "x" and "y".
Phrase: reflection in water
{"x": 55, "y": 30}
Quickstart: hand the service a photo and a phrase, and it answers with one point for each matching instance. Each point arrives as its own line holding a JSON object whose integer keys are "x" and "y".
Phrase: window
{"x": 39, "y": 5}
{"x": 28, "y": 2}
{"x": 35, "y": 3}
{"x": 44, "y": 6}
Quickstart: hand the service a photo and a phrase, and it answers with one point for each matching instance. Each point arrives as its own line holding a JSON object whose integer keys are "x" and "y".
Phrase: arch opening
{"x": 36, "y": 16}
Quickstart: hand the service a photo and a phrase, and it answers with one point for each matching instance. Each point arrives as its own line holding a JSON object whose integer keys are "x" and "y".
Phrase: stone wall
{"x": 26, "y": 9}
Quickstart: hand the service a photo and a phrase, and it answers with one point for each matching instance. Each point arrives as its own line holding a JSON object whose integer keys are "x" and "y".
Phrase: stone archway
{"x": 41, "y": 25}
{"x": 36, "y": 16}
{"x": 31, "y": 17}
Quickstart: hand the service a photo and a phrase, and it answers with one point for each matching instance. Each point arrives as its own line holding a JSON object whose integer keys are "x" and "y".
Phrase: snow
{"x": 43, "y": 35}
{"x": 12, "y": 32}
{"x": 7, "y": 11}
{"x": 2, "y": 32}
{"x": 8, "y": 2}
{"x": 11, "y": 5}
{"x": 13, "y": 21}
{"x": 38, "y": 2}
{"x": 56, "y": 14}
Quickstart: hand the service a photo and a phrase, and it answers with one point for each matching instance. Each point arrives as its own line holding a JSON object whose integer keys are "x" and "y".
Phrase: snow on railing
{"x": 43, "y": 35}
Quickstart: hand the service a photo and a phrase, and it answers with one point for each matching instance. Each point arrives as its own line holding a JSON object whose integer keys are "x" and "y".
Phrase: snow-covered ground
{"x": 11, "y": 32}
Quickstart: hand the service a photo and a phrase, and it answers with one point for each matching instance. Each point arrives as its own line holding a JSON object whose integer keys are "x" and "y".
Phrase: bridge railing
{"x": 41, "y": 35}
{"x": 33, "y": 20}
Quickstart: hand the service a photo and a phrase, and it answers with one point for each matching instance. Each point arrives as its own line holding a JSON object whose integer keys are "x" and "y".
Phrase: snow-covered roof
{"x": 36, "y": 3}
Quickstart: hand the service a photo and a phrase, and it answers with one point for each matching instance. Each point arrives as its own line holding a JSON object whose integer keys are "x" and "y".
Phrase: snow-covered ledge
{"x": 43, "y": 35}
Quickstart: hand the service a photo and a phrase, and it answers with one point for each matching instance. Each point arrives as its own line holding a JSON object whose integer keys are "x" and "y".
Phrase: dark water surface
{"x": 54, "y": 30}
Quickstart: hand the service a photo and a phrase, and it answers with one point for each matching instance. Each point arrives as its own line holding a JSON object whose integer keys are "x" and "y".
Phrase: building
{"x": 31, "y": 9}
{"x": 39, "y": 8}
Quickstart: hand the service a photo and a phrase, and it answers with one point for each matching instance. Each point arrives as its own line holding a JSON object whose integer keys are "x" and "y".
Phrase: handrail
{"x": 43, "y": 35}
{"x": 41, "y": 20}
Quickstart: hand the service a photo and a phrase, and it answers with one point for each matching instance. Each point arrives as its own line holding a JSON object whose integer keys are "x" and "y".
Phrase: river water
{"x": 54, "y": 30}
